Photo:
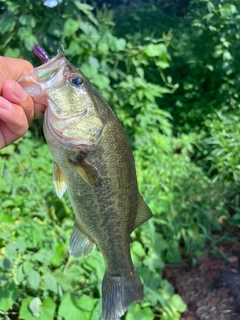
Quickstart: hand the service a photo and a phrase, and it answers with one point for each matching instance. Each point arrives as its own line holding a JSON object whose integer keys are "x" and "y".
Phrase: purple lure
{"x": 41, "y": 53}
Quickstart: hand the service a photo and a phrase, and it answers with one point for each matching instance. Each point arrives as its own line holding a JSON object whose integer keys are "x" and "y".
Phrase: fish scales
{"x": 108, "y": 203}
{"x": 94, "y": 163}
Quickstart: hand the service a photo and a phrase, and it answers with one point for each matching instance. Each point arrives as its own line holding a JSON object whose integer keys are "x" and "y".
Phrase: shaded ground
{"x": 211, "y": 290}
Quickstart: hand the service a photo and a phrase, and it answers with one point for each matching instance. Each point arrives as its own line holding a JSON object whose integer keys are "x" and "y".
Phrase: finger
{"x": 6, "y": 135}
{"x": 39, "y": 110}
{"x": 16, "y": 68}
{"x": 14, "y": 93}
{"x": 13, "y": 122}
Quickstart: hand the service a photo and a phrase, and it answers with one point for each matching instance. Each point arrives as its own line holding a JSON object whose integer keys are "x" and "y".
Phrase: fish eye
{"x": 77, "y": 81}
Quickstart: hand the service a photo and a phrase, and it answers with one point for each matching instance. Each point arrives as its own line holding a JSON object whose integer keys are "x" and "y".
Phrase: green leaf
{"x": 27, "y": 268}
{"x": 95, "y": 264}
{"x": 86, "y": 9}
{"x": 46, "y": 313}
{"x": 102, "y": 82}
{"x": 30, "y": 42}
{"x": 103, "y": 47}
{"x": 173, "y": 255}
{"x": 135, "y": 312}
{"x": 140, "y": 82}
{"x": 140, "y": 72}
{"x": 5, "y": 263}
{"x": 34, "y": 279}
{"x": 11, "y": 248}
{"x": 137, "y": 251}
{"x": 70, "y": 27}
{"x": 7, "y": 23}
{"x": 43, "y": 255}
{"x": 227, "y": 10}
{"x": 97, "y": 310}
{"x": 28, "y": 20}
{"x": 153, "y": 260}
{"x": 58, "y": 254}
{"x": 11, "y": 148}
{"x": 25, "y": 313}
{"x": 155, "y": 50}
{"x": 159, "y": 244}
{"x": 72, "y": 307}
{"x": 120, "y": 44}
{"x": 21, "y": 243}
{"x": 35, "y": 306}
{"x": 51, "y": 283}
{"x": 154, "y": 297}
{"x": 65, "y": 280}
{"x": 8, "y": 295}
{"x": 48, "y": 309}
{"x": 167, "y": 290}
{"x": 20, "y": 274}
{"x": 74, "y": 49}
{"x": 24, "y": 32}
{"x": 162, "y": 64}
{"x": 177, "y": 302}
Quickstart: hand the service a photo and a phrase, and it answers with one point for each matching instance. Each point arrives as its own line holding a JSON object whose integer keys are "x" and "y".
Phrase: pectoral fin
{"x": 86, "y": 170}
{"x": 79, "y": 243}
{"x": 58, "y": 180}
{"x": 144, "y": 213}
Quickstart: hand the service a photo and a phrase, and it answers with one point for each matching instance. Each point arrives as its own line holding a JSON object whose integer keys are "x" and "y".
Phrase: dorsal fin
{"x": 144, "y": 213}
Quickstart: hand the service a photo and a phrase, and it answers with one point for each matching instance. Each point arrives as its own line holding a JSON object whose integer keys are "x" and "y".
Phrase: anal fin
{"x": 79, "y": 243}
{"x": 144, "y": 213}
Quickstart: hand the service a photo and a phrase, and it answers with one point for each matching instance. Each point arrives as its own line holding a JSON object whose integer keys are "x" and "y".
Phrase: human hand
{"x": 17, "y": 108}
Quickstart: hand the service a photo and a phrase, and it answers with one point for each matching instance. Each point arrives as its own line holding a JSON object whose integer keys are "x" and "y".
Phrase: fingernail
{"x": 19, "y": 92}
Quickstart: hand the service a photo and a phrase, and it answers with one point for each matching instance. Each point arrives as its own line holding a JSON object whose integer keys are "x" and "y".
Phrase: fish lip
{"x": 35, "y": 82}
{"x": 49, "y": 69}
{"x": 54, "y": 72}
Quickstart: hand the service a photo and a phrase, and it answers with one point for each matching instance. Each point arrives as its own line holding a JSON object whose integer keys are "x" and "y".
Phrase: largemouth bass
{"x": 94, "y": 163}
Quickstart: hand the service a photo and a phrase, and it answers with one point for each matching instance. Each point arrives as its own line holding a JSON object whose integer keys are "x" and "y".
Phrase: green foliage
{"x": 34, "y": 247}
{"x": 220, "y": 159}
{"x": 186, "y": 203}
{"x": 203, "y": 60}
{"x": 204, "y": 63}
{"x": 35, "y": 228}
{"x": 174, "y": 85}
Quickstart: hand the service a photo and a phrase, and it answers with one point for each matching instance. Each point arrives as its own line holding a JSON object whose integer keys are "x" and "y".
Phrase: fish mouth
{"x": 46, "y": 73}
{"x": 50, "y": 74}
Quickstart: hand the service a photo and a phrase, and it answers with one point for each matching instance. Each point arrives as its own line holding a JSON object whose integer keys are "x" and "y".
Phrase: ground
{"x": 211, "y": 289}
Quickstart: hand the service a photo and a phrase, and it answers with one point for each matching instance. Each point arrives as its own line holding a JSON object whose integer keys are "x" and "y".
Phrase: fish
{"x": 93, "y": 162}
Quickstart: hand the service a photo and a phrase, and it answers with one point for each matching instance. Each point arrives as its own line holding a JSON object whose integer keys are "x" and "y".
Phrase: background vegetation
{"x": 170, "y": 71}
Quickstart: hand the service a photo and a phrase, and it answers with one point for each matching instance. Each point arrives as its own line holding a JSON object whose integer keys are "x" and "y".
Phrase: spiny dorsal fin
{"x": 144, "y": 213}
{"x": 58, "y": 180}
{"x": 86, "y": 170}
{"x": 79, "y": 243}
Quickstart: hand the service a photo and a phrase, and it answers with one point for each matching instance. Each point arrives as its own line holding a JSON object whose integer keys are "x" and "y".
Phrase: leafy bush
{"x": 134, "y": 72}
{"x": 37, "y": 277}
{"x": 220, "y": 159}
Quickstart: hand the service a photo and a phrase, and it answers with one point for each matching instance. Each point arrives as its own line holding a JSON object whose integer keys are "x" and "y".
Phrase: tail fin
{"x": 118, "y": 293}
